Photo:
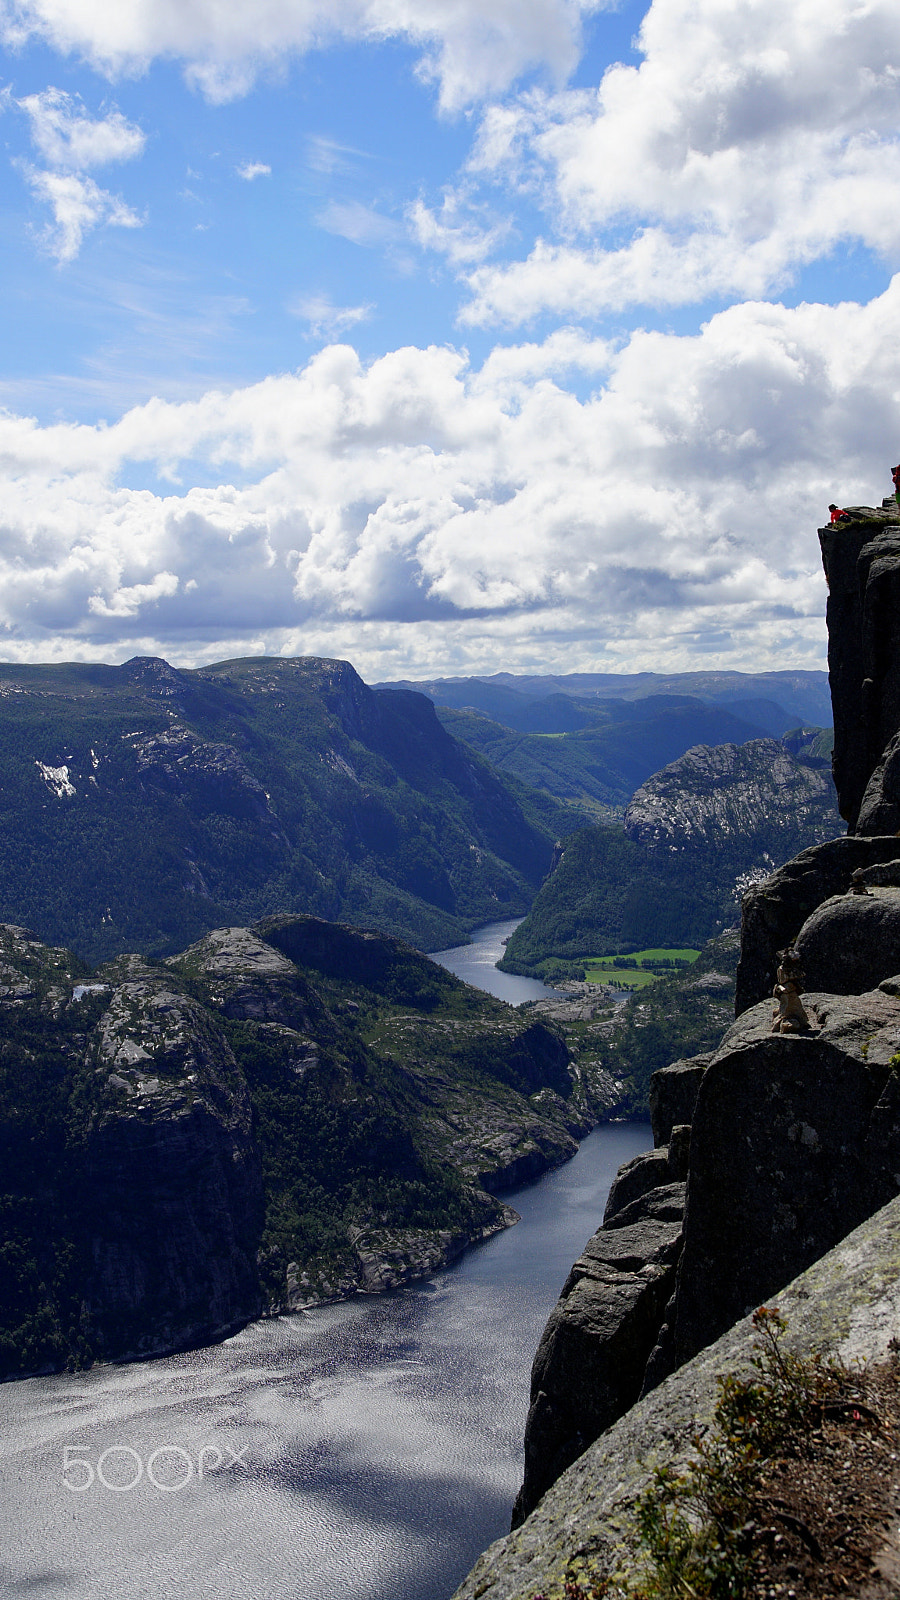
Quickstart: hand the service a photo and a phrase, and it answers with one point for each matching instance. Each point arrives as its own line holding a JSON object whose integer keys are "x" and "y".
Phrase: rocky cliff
{"x": 847, "y": 1305}
{"x": 786, "y": 1140}
{"x": 713, "y": 797}
{"x": 143, "y": 805}
{"x": 863, "y": 572}
{"x": 274, "y": 1117}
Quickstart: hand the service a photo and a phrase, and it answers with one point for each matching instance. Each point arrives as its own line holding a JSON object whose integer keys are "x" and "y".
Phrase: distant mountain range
{"x": 589, "y": 741}
{"x": 794, "y": 697}
{"x": 142, "y": 805}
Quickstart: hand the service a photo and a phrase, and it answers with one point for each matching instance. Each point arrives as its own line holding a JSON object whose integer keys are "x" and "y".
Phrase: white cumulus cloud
{"x": 69, "y": 139}
{"x": 751, "y": 141}
{"x": 471, "y": 48}
{"x": 248, "y": 170}
{"x": 415, "y": 514}
{"x": 78, "y": 205}
{"x": 71, "y": 142}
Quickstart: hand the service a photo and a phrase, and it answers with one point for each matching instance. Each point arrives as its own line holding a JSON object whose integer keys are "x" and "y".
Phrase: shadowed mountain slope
{"x": 142, "y": 805}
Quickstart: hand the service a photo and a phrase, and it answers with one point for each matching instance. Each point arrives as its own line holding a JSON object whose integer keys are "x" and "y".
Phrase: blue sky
{"x": 441, "y": 336}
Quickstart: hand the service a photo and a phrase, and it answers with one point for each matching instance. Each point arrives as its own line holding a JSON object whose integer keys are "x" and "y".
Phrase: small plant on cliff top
{"x": 692, "y": 1536}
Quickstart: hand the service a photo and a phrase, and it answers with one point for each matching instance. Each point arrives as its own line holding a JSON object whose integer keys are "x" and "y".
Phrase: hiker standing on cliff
{"x": 895, "y": 474}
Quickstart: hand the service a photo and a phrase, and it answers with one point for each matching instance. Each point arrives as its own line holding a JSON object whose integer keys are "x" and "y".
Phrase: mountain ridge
{"x": 142, "y": 805}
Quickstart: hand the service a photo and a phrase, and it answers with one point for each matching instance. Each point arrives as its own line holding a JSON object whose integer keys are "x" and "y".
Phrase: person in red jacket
{"x": 895, "y": 474}
{"x": 837, "y": 515}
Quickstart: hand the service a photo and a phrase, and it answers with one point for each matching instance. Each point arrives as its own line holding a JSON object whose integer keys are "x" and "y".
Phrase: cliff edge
{"x": 771, "y": 1147}
{"x": 847, "y": 1304}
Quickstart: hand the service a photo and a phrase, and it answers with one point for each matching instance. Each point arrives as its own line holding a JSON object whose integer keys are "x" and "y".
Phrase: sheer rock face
{"x": 590, "y": 1362}
{"x": 171, "y": 1176}
{"x": 847, "y": 1305}
{"x": 862, "y": 565}
{"x": 793, "y": 1140}
{"x": 714, "y": 795}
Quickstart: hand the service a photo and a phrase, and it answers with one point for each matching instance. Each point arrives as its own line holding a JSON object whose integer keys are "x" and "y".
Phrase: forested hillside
{"x": 142, "y": 805}
{"x": 593, "y": 766}
{"x": 271, "y": 1118}
{"x": 694, "y": 835}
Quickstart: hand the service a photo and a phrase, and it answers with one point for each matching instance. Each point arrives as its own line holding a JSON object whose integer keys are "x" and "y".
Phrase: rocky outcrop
{"x": 794, "y": 1140}
{"x": 862, "y": 564}
{"x": 277, "y": 1117}
{"x": 673, "y": 1096}
{"x": 715, "y": 795}
{"x": 846, "y": 1305}
{"x": 774, "y": 912}
{"x": 786, "y": 1142}
{"x": 590, "y": 1362}
{"x": 852, "y": 941}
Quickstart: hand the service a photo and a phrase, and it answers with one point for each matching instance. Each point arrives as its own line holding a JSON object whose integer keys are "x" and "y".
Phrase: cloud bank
{"x": 751, "y": 141}
{"x": 603, "y": 495}
{"x": 415, "y": 514}
{"x": 470, "y": 48}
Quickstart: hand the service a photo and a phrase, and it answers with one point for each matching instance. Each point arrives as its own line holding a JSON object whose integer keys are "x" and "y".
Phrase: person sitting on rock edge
{"x": 837, "y": 515}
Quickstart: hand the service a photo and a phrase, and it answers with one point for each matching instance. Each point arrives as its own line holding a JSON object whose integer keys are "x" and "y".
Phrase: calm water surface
{"x": 378, "y": 1443}
{"x": 475, "y": 963}
{"x": 367, "y": 1451}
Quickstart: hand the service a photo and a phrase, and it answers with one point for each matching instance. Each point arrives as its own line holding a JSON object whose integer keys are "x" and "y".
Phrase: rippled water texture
{"x": 378, "y": 1443}
{"x": 474, "y": 963}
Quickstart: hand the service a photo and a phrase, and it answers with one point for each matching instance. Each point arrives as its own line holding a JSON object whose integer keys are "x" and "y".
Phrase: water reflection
{"x": 475, "y": 963}
{"x": 378, "y": 1442}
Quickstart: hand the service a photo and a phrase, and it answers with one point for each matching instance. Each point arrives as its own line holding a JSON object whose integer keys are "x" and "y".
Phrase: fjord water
{"x": 475, "y": 964}
{"x": 368, "y": 1450}
{"x": 378, "y": 1443}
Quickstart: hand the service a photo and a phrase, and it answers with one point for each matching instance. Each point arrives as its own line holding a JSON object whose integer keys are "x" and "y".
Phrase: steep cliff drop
{"x": 786, "y": 1141}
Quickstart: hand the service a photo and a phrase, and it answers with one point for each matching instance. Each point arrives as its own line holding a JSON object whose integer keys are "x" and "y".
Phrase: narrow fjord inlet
{"x": 378, "y": 1444}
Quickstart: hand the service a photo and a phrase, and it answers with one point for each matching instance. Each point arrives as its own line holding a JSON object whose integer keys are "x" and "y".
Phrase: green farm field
{"x": 638, "y": 968}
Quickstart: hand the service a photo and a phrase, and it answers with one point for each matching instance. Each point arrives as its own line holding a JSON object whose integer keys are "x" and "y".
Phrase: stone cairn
{"x": 789, "y": 1015}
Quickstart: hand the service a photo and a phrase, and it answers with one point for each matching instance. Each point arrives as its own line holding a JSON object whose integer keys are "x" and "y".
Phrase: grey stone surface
{"x": 635, "y": 1178}
{"x": 851, "y": 942}
{"x": 847, "y": 1304}
{"x": 773, "y": 912}
{"x": 590, "y": 1362}
{"x": 665, "y": 1204}
{"x": 673, "y": 1095}
{"x": 793, "y": 1141}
